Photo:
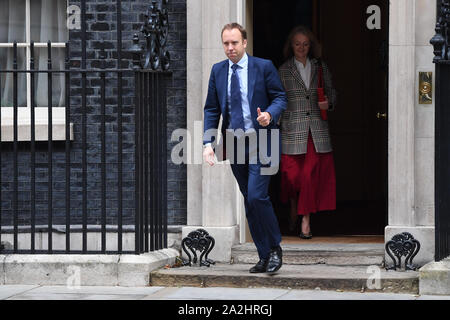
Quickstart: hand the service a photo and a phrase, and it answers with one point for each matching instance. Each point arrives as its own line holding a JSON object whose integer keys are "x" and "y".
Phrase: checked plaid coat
{"x": 303, "y": 112}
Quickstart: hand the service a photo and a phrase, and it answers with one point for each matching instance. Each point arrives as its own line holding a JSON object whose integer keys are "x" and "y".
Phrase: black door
{"x": 357, "y": 57}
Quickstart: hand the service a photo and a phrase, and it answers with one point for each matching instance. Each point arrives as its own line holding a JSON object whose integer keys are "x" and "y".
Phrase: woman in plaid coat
{"x": 307, "y": 165}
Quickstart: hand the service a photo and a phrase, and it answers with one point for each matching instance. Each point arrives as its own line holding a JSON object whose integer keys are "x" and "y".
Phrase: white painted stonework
{"x": 411, "y": 125}
{"x": 214, "y": 200}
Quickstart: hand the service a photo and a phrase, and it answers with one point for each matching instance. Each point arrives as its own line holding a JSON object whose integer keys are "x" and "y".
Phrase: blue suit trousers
{"x": 262, "y": 221}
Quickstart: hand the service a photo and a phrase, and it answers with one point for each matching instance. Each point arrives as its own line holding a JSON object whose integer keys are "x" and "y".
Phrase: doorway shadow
{"x": 357, "y": 58}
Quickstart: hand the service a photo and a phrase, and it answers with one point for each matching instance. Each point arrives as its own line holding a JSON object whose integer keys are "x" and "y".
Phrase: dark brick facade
{"x": 101, "y": 26}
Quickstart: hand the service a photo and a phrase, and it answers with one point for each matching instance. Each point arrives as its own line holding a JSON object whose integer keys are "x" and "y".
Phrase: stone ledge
{"x": 435, "y": 278}
{"x": 41, "y": 124}
{"x": 94, "y": 237}
{"x": 82, "y": 270}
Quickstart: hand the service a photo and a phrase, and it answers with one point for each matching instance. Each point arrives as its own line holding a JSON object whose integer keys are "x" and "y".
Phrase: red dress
{"x": 310, "y": 178}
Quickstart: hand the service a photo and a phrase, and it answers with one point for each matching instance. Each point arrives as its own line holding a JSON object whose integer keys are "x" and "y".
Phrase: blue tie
{"x": 237, "y": 118}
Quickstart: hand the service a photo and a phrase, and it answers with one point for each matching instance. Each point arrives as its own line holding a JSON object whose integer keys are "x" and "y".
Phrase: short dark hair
{"x": 235, "y": 25}
{"x": 314, "y": 52}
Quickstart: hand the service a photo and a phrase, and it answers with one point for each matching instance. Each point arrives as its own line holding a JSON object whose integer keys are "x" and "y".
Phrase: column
{"x": 411, "y": 126}
{"x": 213, "y": 197}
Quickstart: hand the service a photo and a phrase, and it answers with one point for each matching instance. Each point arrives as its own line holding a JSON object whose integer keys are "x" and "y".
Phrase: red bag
{"x": 321, "y": 94}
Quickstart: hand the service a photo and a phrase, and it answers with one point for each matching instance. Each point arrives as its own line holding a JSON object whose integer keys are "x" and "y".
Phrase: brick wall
{"x": 101, "y": 26}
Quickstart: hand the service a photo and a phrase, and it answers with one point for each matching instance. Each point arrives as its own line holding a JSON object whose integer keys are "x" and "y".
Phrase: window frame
{"x": 41, "y": 113}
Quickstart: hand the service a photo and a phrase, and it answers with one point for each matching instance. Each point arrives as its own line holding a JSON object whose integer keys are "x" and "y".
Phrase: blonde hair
{"x": 315, "y": 48}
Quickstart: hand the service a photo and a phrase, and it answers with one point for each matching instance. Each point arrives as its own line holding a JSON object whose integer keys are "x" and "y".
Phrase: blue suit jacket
{"x": 265, "y": 91}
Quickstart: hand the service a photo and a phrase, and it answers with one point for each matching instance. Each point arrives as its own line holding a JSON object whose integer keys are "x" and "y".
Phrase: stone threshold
{"x": 345, "y": 254}
{"x": 301, "y": 277}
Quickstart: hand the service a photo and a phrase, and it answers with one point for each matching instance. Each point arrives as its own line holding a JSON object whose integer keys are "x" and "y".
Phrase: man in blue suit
{"x": 248, "y": 94}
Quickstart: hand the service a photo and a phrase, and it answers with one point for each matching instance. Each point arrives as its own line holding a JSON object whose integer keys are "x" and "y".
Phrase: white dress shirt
{"x": 305, "y": 71}
{"x": 242, "y": 72}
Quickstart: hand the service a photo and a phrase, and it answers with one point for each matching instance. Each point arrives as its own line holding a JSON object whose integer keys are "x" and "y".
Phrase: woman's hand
{"x": 324, "y": 105}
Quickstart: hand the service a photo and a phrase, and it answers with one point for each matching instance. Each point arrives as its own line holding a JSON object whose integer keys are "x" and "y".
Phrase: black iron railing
{"x": 151, "y": 160}
{"x": 114, "y": 155}
{"x": 441, "y": 44}
{"x": 150, "y": 211}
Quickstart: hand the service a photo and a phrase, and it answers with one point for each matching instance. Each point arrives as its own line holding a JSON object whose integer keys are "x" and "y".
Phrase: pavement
{"x": 30, "y": 292}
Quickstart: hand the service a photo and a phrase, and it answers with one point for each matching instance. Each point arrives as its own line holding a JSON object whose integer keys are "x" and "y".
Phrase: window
{"x": 38, "y": 21}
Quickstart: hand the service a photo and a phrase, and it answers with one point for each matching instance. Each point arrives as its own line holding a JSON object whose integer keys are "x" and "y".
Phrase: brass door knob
{"x": 381, "y": 115}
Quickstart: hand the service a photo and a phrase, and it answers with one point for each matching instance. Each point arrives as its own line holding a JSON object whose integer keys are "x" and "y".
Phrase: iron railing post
{"x": 441, "y": 44}
{"x": 103, "y": 145}
{"x": 67, "y": 146}
{"x": 136, "y": 52}
{"x": 119, "y": 130}
{"x": 16, "y": 173}
{"x": 33, "y": 152}
{"x": 50, "y": 149}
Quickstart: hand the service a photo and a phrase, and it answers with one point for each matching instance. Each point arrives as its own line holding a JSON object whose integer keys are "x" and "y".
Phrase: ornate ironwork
{"x": 156, "y": 32}
{"x": 198, "y": 240}
{"x": 136, "y": 51}
{"x": 403, "y": 245}
{"x": 441, "y": 40}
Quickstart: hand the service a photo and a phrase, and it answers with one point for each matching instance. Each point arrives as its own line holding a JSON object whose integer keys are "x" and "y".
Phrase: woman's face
{"x": 301, "y": 46}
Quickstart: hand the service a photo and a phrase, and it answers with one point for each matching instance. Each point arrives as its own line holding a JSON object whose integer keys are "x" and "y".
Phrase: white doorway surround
{"x": 411, "y": 125}
{"x": 214, "y": 201}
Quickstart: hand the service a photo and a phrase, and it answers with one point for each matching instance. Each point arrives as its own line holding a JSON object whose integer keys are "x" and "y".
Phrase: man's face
{"x": 233, "y": 44}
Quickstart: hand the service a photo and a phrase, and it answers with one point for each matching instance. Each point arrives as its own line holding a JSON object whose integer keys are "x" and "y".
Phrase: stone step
{"x": 343, "y": 254}
{"x": 301, "y": 277}
{"x": 435, "y": 278}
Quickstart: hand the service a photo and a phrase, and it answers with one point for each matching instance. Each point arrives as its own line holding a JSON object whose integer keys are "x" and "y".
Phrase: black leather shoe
{"x": 260, "y": 267}
{"x": 307, "y": 236}
{"x": 275, "y": 260}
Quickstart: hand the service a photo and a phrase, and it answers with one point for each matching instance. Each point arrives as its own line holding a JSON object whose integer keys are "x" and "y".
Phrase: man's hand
{"x": 208, "y": 155}
{"x": 324, "y": 105}
{"x": 264, "y": 118}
